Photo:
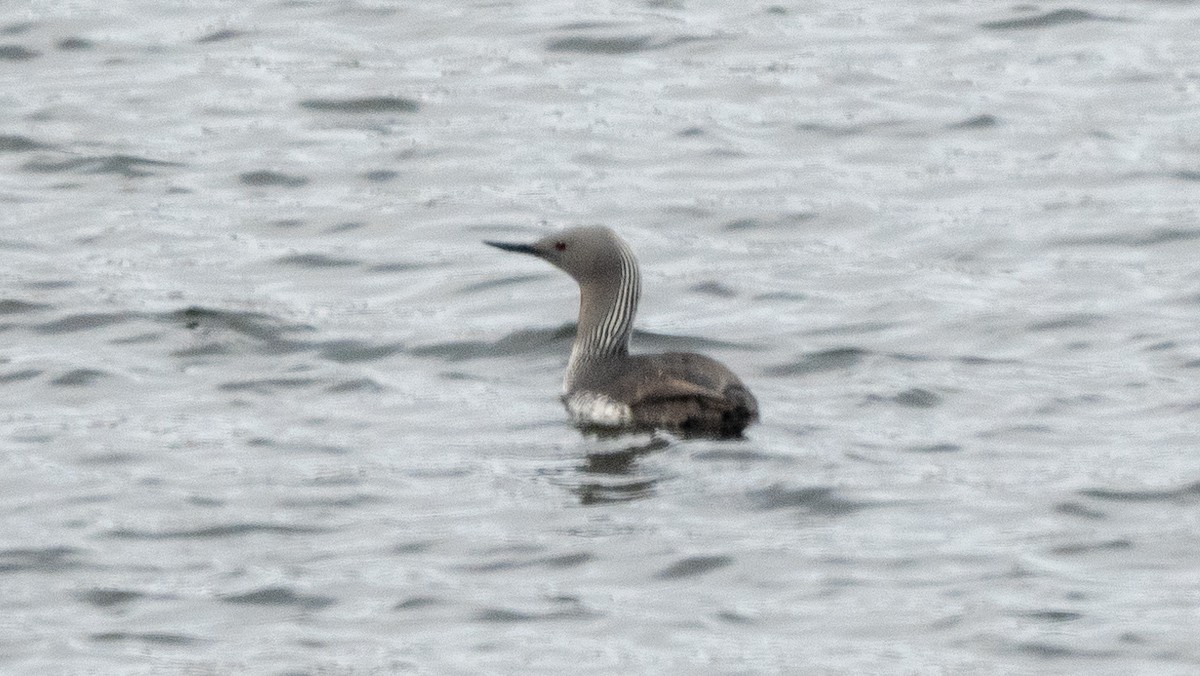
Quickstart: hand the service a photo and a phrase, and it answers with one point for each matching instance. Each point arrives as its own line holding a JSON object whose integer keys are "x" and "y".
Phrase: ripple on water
{"x": 816, "y": 362}
{"x": 220, "y": 36}
{"x": 560, "y": 608}
{"x": 821, "y": 500}
{"x": 82, "y": 322}
{"x": 19, "y": 375}
{"x": 272, "y": 179}
{"x": 1057, "y": 17}
{"x": 107, "y": 597}
{"x": 154, "y": 637}
{"x": 526, "y": 341}
{"x": 368, "y": 104}
{"x": 280, "y": 596}
{"x": 693, "y": 566}
{"x": 10, "y": 143}
{"x": 1188, "y": 493}
{"x": 42, "y": 560}
{"x": 78, "y": 378}
{"x": 558, "y": 561}
{"x": 128, "y": 166}
{"x": 17, "y": 53}
{"x": 316, "y": 260}
{"x": 224, "y": 531}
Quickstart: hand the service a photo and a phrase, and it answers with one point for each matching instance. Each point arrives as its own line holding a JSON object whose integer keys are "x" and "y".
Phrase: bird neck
{"x": 606, "y": 311}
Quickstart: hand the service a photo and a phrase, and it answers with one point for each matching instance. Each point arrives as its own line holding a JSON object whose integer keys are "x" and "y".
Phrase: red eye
{"x": 560, "y": 246}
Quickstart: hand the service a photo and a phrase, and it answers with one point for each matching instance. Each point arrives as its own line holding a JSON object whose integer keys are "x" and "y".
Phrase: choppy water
{"x": 269, "y": 407}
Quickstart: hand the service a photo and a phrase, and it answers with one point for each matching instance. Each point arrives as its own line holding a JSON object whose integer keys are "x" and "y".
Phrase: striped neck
{"x": 606, "y": 310}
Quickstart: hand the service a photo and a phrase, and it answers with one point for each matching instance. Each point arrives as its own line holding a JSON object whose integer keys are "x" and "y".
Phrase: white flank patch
{"x": 598, "y": 409}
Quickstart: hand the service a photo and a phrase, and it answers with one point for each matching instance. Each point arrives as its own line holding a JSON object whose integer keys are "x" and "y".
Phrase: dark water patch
{"x": 1152, "y": 237}
{"x": 78, "y": 378}
{"x": 559, "y": 562}
{"x": 693, "y": 566}
{"x": 973, "y": 360}
{"x": 259, "y": 326}
{"x": 1080, "y": 510}
{"x": 19, "y": 376}
{"x": 725, "y": 455}
{"x": 844, "y": 130}
{"x": 380, "y": 175}
{"x": 74, "y": 44}
{"x": 267, "y": 385}
{"x": 129, "y": 166}
{"x": 287, "y": 223}
{"x": 531, "y": 341}
{"x": 984, "y": 121}
{"x": 1186, "y": 493}
{"x": 343, "y": 502}
{"x": 51, "y": 284}
{"x": 1057, "y": 17}
{"x": 663, "y": 342}
{"x": 606, "y": 493}
{"x": 230, "y": 530}
{"x": 40, "y": 560}
{"x": 370, "y": 104}
{"x": 346, "y": 227}
{"x": 1078, "y": 320}
{"x": 365, "y": 385}
{"x": 10, "y": 143}
{"x": 17, "y": 28}
{"x": 417, "y": 603}
{"x": 414, "y": 547}
{"x": 355, "y": 351}
{"x": 81, "y": 322}
{"x": 138, "y": 339}
{"x": 317, "y": 261}
{"x": 220, "y": 36}
{"x": 1187, "y": 175}
{"x": 1074, "y": 549}
{"x": 107, "y": 598}
{"x": 716, "y": 289}
{"x": 280, "y": 596}
{"x": 17, "y": 53}
{"x": 781, "y": 221}
{"x": 155, "y": 637}
{"x": 733, "y": 617}
{"x": 1047, "y": 650}
{"x": 600, "y": 45}
{"x": 690, "y": 132}
{"x": 934, "y": 448}
{"x": 850, "y": 329}
{"x": 111, "y": 458}
{"x": 1053, "y": 615}
{"x": 396, "y": 267}
{"x": 266, "y": 178}
{"x": 816, "y": 362}
{"x": 12, "y": 307}
{"x": 205, "y": 350}
{"x": 568, "y": 608}
{"x": 918, "y": 397}
{"x": 821, "y": 500}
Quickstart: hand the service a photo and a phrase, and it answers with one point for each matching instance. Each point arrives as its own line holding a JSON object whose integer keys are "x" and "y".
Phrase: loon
{"x": 608, "y": 388}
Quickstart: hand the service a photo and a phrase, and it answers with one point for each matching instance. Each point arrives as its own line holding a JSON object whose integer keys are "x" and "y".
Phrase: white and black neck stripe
{"x": 606, "y": 311}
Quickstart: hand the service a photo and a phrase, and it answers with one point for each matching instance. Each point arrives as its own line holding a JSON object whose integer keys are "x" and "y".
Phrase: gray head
{"x": 590, "y": 254}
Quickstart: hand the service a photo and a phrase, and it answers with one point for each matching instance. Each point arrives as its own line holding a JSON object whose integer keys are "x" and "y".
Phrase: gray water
{"x": 267, "y": 405}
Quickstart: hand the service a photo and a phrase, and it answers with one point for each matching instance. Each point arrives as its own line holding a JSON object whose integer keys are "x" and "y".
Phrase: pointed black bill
{"x": 519, "y": 248}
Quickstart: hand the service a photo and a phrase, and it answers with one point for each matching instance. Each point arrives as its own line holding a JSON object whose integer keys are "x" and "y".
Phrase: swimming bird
{"x": 605, "y": 386}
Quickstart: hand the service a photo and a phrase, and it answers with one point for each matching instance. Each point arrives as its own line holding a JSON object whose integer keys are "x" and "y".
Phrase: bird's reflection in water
{"x": 613, "y": 476}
